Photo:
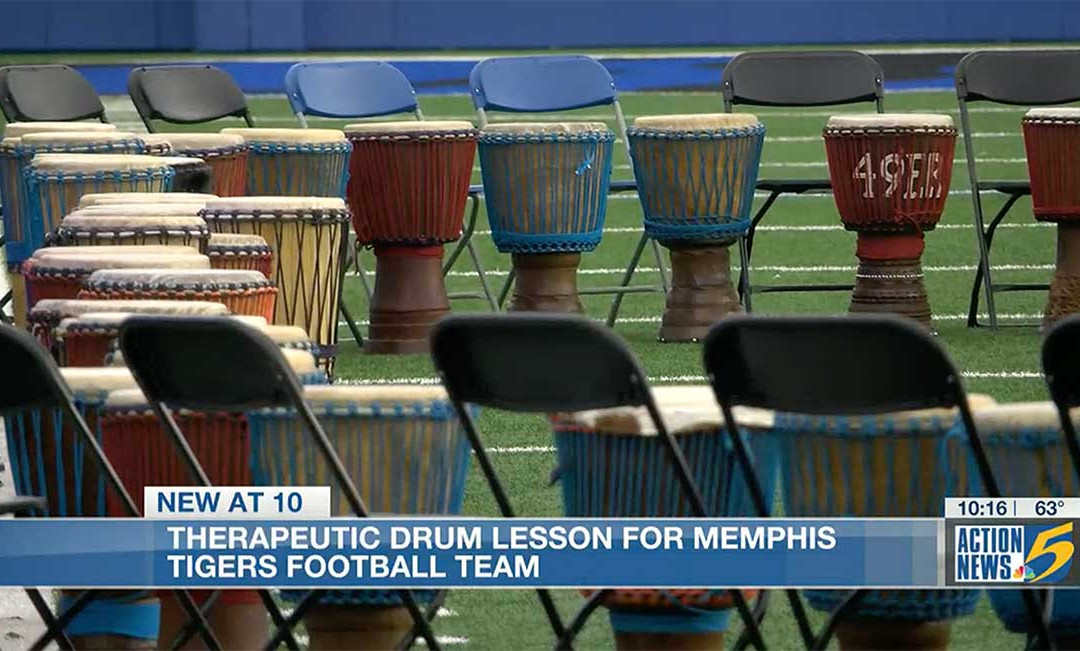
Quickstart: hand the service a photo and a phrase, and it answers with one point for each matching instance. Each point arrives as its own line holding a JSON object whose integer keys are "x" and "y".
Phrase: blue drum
{"x": 546, "y": 187}
{"x": 1026, "y": 450}
{"x": 612, "y": 464}
{"x": 406, "y": 452}
{"x": 696, "y": 176}
{"x": 896, "y": 465}
{"x": 295, "y": 162}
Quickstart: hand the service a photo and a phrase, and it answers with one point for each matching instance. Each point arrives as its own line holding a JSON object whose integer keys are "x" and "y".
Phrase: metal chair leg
{"x": 616, "y": 301}
{"x": 661, "y": 268}
{"x": 744, "y": 275}
{"x": 983, "y": 280}
{"x": 483, "y": 277}
{"x": 505, "y": 291}
{"x": 54, "y": 628}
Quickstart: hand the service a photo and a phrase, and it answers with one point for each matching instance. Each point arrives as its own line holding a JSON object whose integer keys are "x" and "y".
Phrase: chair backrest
{"x": 1061, "y": 361}
{"x": 540, "y": 84}
{"x": 206, "y": 364}
{"x": 1019, "y": 77}
{"x": 32, "y": 378}
{"x": 185, "y": 94}
{"x": 803, "y": 78}
{"x": 348, "y": 89}
{"x": 829, "y": 365}
{"x": 535, "y": 363}
{"x": 52, "y": 92}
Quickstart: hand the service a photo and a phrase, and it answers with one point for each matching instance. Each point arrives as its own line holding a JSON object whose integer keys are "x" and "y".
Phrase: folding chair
{"x": 206, "y": 364}
{"x": 1060, "y": 354}
{"x": 1015, "y": 78}
{"x": 797, "y": 79}
{"x": 548, "y": 84}
{"x": 39, "y": 383}
{"x": 186, "y": 95}
{"x": 820, "y": 366}
{"x": 561, "y": 363}
{"x": 48, "y": 93}
{"x": 363, "y": 89}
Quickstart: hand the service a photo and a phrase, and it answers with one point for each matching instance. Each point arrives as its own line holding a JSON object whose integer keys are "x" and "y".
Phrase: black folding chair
{"x": 797, "y": 79}
{"x": 186, "y": 95}
{"x": 471, "y": 355}
{"x": 207, "y": 364}
{"x": 48, "y": 93}
{"x": 820, "y": 366}
{"x": 1060, "y": 359}
{"x": 39, "y": 383}
{"x": 1015, "y": 78}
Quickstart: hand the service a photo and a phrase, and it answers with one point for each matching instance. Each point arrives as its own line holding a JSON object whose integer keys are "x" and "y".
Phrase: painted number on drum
{"x": 291, "y": 502}
{"x": 912, "y": 176}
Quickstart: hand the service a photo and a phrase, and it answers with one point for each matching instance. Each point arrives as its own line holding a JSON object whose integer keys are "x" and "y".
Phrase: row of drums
{"x": 407, "y": 454}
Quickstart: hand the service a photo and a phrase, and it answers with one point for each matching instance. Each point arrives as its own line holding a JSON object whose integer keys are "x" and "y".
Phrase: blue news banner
{"x": 470, "y": 553}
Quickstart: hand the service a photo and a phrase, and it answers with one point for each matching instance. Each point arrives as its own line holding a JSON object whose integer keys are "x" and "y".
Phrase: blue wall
{"x": 292, "y": 25}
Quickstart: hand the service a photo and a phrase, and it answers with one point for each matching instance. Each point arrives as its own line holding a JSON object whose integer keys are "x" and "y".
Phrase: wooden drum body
{"x": 696, "y": 176}
{"x": 243, "y": 292}
{"x": 1026, "y": 449}
{"x": 404, "y": 449}
{"x": 62, "y": 271}
{"x": 307, "y": 236}
{"x": 134, "y": 225}
{"x": 49, "y": 458}
{"x": 546, "y": 186}
{"x": 895, "y": 465}
{"x": 226, "y": 156}
{"x": 240, "y": 251}
{"x": 408, "y": 185}
{"x": 890, "y": 175}
{"x": 1051, "y": 139}
{"x": 613, "y": 465}
{"x": 295, "y": 162}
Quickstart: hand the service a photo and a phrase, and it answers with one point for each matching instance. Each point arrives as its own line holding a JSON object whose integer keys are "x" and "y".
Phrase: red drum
{"x": 243, "y": 292}
{"x": 1051, "y": 138}
{"x": 120, "y": 198}
{"x": 240, "y": 251}
{"x": 48, "y": 313}
{"x": 62, "y": 271}
{"x": 226, "y": 154}
{"x": 890, "y": 175}
{"x": 408, "y": 184}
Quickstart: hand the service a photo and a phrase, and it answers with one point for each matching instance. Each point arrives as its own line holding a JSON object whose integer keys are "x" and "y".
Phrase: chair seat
{"x": 1007, "y": 187}
{"x": 793, "y": 186}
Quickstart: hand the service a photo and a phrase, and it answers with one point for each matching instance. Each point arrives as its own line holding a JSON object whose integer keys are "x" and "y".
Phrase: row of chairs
{"x": 542, "y": 84}
{"x": 815, "y": 366}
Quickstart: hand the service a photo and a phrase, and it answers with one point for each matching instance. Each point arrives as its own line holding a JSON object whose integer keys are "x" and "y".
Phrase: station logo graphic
{"x": 1021, "y": 553}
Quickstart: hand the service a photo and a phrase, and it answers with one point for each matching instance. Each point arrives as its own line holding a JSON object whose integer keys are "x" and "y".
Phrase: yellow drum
{"x": 106, "y": 198}
{"x": 135, "y": 225}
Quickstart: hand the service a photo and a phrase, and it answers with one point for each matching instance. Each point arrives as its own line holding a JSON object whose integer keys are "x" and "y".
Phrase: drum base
{"x": 1064, "y": 296}
{"x": 881, "y": 635}
{"x": 409, "y": 297}
{"x": 546, "y": 282}
{"x": 356, "y": 627}
{"x": 889, "y": 278}
{"x": 713, "y": 641}
{"x": 235, "y": 625}
{"x": 701, "y": 291}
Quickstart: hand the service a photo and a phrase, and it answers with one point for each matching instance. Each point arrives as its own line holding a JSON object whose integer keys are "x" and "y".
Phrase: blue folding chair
{"x": 364, "y": 89}
{"x": 549, "y": 84}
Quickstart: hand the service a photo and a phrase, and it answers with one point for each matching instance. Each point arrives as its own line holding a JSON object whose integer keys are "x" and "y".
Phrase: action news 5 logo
{"x": 1023, "y": 553}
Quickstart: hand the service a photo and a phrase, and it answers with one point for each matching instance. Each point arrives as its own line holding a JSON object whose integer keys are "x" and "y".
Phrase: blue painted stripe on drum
{"x": 114, "y": 617}
{"x": 686, "y": 621}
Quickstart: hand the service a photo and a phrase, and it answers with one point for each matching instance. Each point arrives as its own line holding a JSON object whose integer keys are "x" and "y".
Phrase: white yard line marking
{"x": 445, "y": 640}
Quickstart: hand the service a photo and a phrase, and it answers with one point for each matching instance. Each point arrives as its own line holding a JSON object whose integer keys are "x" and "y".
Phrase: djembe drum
{"x": 696, "y": 176}
{"x": 546, "y": 186}
{"x": 896, "y": 465}
{"x": 153, "y": 224}
{"x": 295, "y": 162}
{"x": 613, "y": 465}
{"x": 1026, "y": 450}
{"x": 243, "y": 292}
{"x": 49, "y": 459}
{"x": 190, "y": 174}
{"x": 48, "y": 313}
{"x": 240, "y": 251}
{"x": 420, "y": 466}
{"x": 408, "y": 182}
{"x": 121, "y": 198}
{"x": 61, "y": 272}
{"x": 308, "y": 236}
{"x": 1050, "y": 138}
{"x": 225, "y": 154}
{"x": 890, "y": 176}
{"x": 87, "y": 339}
